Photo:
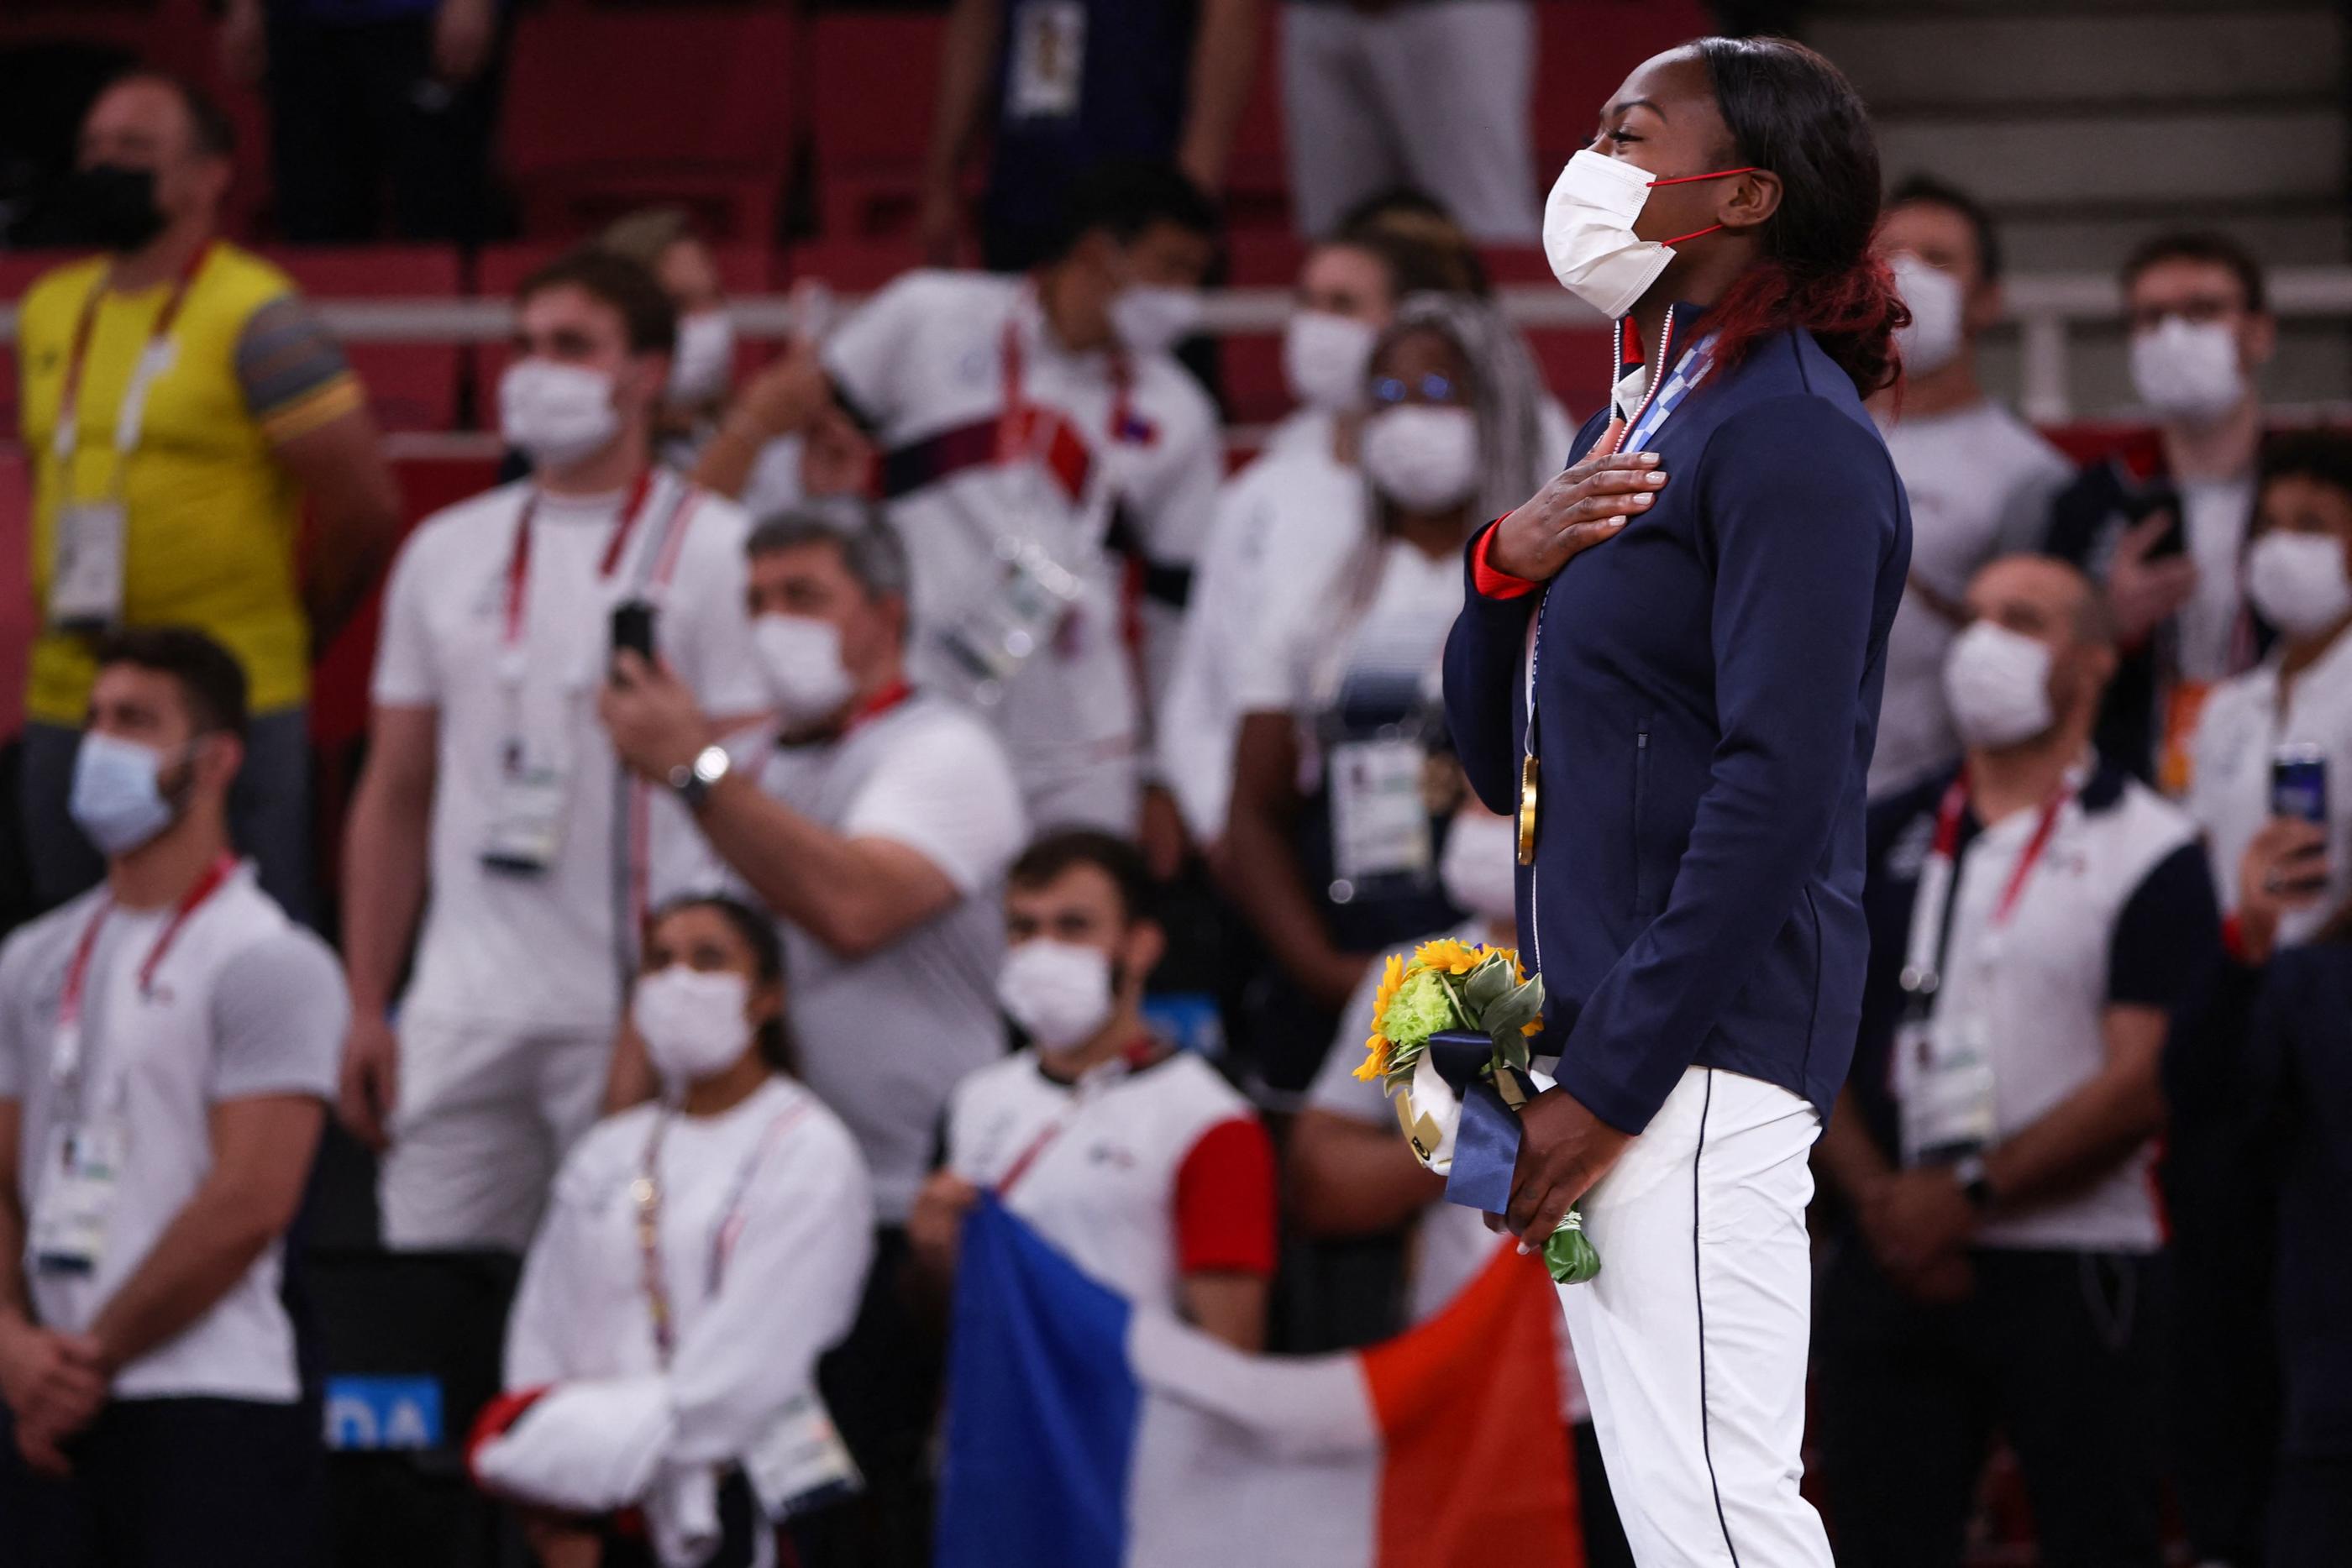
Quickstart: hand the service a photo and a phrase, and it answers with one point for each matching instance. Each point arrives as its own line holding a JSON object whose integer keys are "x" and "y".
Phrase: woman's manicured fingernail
{"x": 1654, "y": 479}
{"x": 1643, "y": 500}
{"x": 1647, "y": 459}
{"x": 1614, "y": 523}
{"x": 1525, "y": 1249}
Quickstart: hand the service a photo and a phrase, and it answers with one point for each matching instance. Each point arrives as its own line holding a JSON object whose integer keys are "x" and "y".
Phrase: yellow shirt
{"x": 210, "y": 516}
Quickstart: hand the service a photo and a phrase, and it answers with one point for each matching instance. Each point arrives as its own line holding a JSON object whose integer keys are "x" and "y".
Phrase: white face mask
{"x": 1326, "y": 357}
{"x": 1058, "y": 992}
{"x": 695, "y": 1024}
{"x": 800, "y": 656}
{"x": 1932, "y": 338}
{"x": 2298, "y": 581}
{"x": 1588, "y": 232}
{"x": 1480, "y": 866}
{"x": 116, "y": 798}
{"x": 1152, "y": 318}
{"x": 1422, "y": 456}
{"x": 1998, "y": 683}
{"x": 2188, "y": 370}
{"x": 556, "y": 414}
{"x": 704, "y": 362}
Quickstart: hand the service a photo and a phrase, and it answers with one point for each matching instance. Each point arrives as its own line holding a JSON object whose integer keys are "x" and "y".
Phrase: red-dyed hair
{"x": 1792, "y": 111}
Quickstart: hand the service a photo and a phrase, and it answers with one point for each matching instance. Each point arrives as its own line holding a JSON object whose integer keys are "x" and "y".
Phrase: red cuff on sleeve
{"x": 2233, "y": 938}
{"x": 1489, "y": 581}
{"x": 498, "y": 1417}
{"x": 1225, "y": 1202}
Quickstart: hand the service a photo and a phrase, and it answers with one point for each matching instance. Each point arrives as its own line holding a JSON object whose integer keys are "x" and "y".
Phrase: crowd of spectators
{"x": 759, "y": 767}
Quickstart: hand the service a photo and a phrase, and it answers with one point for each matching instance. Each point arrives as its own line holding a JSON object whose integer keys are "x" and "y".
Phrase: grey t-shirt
{"x": 1981, "y": 482}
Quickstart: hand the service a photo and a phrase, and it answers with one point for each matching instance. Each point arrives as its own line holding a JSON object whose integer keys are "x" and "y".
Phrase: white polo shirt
{"x": 1286, "y": 527}
{"x": 2118, "y": 911}
{"x": 243, "y": 1004}
{"x": 1980, "y": 482}
{"x": 1140, "y": 1174}
{"x": 2239, "y": 729}
{"x": 539, "y": 949}
{"x": 923, "y": 365}
{"x": 882, "y": 1040}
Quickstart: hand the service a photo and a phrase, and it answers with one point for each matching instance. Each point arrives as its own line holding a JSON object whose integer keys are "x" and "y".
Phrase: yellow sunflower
{"x": 1376, "y": 1060}
{"x": 1448, "y": 956}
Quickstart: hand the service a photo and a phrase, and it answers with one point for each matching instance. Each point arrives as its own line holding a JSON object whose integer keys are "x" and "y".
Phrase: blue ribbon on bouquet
{"x": 1487, "y": 1140}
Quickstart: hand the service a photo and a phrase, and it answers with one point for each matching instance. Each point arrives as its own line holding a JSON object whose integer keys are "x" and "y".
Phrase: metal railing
{"x": 2046, "y": 307}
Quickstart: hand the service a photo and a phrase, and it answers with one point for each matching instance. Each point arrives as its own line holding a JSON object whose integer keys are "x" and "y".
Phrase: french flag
{"x": 1087, "y": 1432}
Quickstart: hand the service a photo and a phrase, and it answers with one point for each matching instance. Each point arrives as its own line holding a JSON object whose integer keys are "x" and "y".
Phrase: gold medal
{"x": 1528, "y": 809}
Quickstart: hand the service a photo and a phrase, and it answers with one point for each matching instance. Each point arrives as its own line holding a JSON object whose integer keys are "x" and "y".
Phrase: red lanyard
{"x": 67, "y": 1061}
{"x": 1089, "y": 1084}
{"x": 518, "y": 607}
{"x": 1016, "y": 427}
{"x": 1948, "y": 841}
{"x": 69, "y": 392}
{"x": 646, "y": 1190}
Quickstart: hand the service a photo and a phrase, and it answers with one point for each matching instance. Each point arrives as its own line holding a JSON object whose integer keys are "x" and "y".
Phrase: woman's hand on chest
{"x": 1583, "y": 505}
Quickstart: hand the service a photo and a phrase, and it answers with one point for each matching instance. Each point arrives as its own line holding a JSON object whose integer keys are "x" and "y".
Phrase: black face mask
{"x": 114, "y": 206}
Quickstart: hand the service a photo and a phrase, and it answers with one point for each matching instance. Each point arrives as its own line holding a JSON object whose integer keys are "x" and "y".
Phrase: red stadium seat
{"x": 1257, "y": 180}
{"x": 1584, "y": 50}
{"x": 608, "y": 110}
{"x": 411, "y": 386}
{"x": 855, "y": 267}
{"x": 872, "y": 82}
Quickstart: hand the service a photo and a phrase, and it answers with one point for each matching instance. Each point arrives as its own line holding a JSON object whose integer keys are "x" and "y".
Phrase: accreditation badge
{"x": 1049, "y": 58}
{"x": 1948, "y": 1107}
{"x": 86, "y": 582}
{"x": 81, "y": 1174}
{"x": 1379, "y": 813}
{"x": 801, "y": 1464}
{"x": 526, "y": 829}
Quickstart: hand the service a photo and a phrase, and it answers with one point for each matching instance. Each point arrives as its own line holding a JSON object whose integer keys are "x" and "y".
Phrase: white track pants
{"x": 1693, "y": 1339}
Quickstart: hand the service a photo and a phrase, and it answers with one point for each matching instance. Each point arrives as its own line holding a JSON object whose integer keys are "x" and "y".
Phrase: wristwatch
{"x": 1968, "y": 1171}
{"x": 694, "y": 781}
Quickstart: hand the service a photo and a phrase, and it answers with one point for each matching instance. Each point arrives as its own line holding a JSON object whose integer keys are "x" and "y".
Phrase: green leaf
{"x": 1570, "y": 1256}
{"x": 1513, "y": 1049}
{"x": 1523, "y": 1006}
{"x": 1487, "y": 984}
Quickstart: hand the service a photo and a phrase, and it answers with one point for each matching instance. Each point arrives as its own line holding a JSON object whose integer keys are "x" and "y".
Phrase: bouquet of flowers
{"x": 1450, "y": 1032}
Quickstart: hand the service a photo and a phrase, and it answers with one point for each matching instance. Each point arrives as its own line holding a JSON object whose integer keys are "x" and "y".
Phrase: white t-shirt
{"x": 245, "y": 1004}
{"x": 540, "y": 949}
{"x": 1451, "y": 1243}
{"x": 2106, "y": 918}
{"x": 2238, "y": 731}
{"x": 923, "y": 361}
{"x": 1287, "y": 527}
{"x": 1372, "y": 644}
{"x": 1129, "y": 1171}
{"x": 884, "y": 1039}
{"x": 766, "y": 1231}
{"x": 1981, "y": 482}
{"x": 2215, "y": 514}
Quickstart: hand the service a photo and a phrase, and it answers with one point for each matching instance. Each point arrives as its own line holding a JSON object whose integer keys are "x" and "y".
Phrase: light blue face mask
{"x": 117, "y": 798}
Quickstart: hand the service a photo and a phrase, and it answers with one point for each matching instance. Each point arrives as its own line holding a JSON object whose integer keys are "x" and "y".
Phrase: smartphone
{"x": 633, "y": 628}
{"x": 2145, "y": 504}
{"x": 2299, "y": 784}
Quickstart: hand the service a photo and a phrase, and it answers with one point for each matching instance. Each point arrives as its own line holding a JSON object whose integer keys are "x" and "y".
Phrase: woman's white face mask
{"x": 1422, "y": 456}
{"x": 2298, "y": 582}
{"x": 695, "y": 1023}
{"x": 1588, "y": 230}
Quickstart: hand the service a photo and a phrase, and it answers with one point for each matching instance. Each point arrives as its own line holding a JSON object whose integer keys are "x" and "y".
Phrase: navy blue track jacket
{"x": 1707, "y": 699}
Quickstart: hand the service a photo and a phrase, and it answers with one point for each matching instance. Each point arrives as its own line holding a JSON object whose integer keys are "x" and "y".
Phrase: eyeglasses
{"x": 1434, "y": 388}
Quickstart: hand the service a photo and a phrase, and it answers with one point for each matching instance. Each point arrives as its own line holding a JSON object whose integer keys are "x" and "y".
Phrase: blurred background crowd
{"x": 806, "y": 612}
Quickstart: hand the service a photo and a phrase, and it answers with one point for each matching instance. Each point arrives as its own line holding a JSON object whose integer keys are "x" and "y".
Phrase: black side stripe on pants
{"x": 1698, "y": 1294}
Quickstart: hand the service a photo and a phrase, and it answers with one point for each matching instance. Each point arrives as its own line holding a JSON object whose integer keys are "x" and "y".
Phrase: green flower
{"x": 1420, "y": 1008}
